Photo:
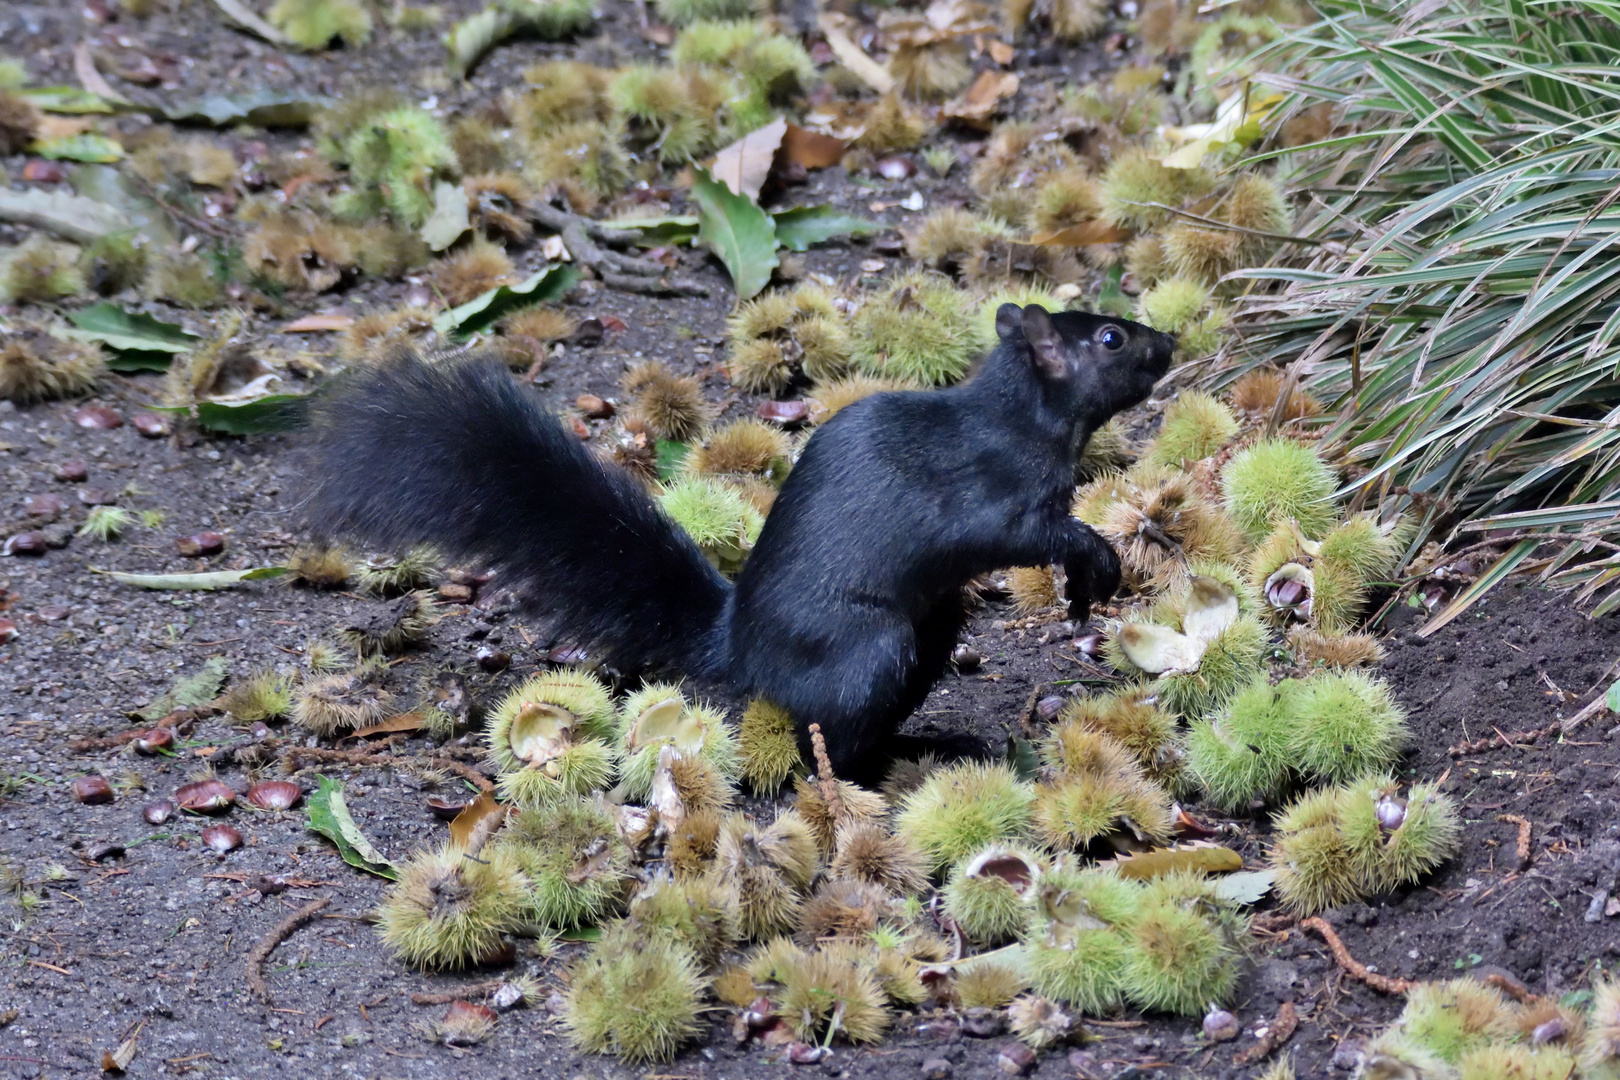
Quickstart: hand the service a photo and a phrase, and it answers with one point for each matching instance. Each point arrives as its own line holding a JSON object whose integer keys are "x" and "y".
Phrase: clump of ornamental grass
{"x": 312, "y": 24}
{"x": 338, "y": 703}
{"x": 390, "y": 626}
{"x": 450, "y": 906}
{"x": 264, "y": 695}
{"x": 575, "y": 863}
{"x": 638, "y": 997}
{"x": 671, "y": 406}
{"x": 717, "y": 518}
{"x": 1078, "y": 934}
{"x": 917, "y": 330}
{"x": 768, "y": 746}
{"x": 1195, "y": 426}
{"x": 1276, "y": 480}
{"x": 36, "y": 366}
{"x": 659, "y": 716}
{"x": 962, "y": 807}
{"x": 781, "y": 335}
{"x": 989, "y": 894}
{"x": 395, "y": 158}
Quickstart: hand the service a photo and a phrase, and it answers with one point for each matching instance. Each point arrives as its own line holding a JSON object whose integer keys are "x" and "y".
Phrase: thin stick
{"x": 1353, "y": 967}
{"x": 466, "y": 993}
{"x": 466, "y": 772}
{"x": 1280, "y": 1031}
{"x": 1512, "y": 738}
{"x": 279, "y": 933}
{"x": 1522, "y": 848}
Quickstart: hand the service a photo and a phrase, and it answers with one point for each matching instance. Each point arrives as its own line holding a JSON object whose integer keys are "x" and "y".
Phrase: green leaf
{"x": 671, "y": 456}
{"x": 581, "y": 933}
{"x": 207, "y": 581}
{"x": 96, "y": 149}
{"x": 329, "y": 816}
{"x": 1612, "y": 698}
{"x": 135, "y": 360}
{"x": 63, "y": 99}
{"x": 799, "y": 228}
{"x": 75, "y": 217}
{"x": 481, "y": 312}
{"x": 263, "y": 108}
{"x": 1245, "y": 886}
{"x": 741, "y": 234}
{"x": 1022, "y": 758}
{"x": 273, "y": 412}
{"x": 450, "y": 218}
{"x": 130, "y": 331}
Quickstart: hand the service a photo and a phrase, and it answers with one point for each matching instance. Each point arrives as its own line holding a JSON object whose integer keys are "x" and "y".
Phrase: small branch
{"x": 1511, "y": 738}
{"x": 281, "y": 932}
{"x": 298, "y": 757}
{"x": 1522, "y": 848}
{"x": 618, "y": 271}
{"x": 1226, "y": 226}
{"x": 1353, "y": 967}
{"x": 1279, "y": 1032}
{"x": 466, "y": 772}
{"x": 466, "y": 993}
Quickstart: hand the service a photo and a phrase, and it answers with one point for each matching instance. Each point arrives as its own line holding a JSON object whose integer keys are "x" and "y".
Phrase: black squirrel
{"x": 847, "y": 610}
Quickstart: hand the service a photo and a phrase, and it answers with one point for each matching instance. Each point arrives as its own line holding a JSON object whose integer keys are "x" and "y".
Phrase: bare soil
{"x": 156, "y": 938}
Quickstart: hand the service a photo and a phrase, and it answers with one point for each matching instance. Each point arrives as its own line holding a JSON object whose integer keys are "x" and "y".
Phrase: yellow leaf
{"x": 1200, "y": 856}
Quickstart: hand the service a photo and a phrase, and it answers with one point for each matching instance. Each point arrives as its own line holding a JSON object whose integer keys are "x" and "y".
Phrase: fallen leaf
{"x": 868, "y": 70}
{"x": 84, "y": 66}
{"x": 481, "y": 312}
{"x": 260, "y": 108}
{"x": 738, "y": 231}
{"x": 63, "y": 99}
{"x": 744, "y": 165}
{"x": 1084, "y": 234}
{"x": 813, "y": 150}
{"x": 406, "y": 721}
{"x": 1245, "y": 886}
{"x": 131, "y": 331}
{"x": 980, "y": 102}
{"x": 244, "y": 17}
{"x": 206, "y": 582}
{"x": 310, "y": 324}
{"x": 97, "y": 149}
{"x": 1238, "y": 123}
{"x": 461, "y": 829}
{"x": 1199, "y": 856}
{"x": 117, "y": 1060}
{"x": 271, "y": 412}
{"x": 451, "y": 216}
{"x": 329, "y": 815}
{"x": 800, "y": 227}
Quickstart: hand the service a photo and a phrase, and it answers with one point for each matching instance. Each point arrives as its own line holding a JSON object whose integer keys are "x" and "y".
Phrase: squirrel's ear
{"x": 1043, "y": 339}
{"x": 1009, "y": 321}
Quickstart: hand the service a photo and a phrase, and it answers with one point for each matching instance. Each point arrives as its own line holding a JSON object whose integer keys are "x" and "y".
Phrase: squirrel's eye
{"x": 1112, "y": 338}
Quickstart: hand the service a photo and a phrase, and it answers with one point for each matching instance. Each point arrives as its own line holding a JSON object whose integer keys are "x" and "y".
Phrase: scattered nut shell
{"x": 222, "y": 838}
{"x": 158, "y": 811}
{"x": 72, "y": 471}
{"x": 44, "y": 505}
{"x": 26, "y": 543}
{"x": 151, "y": 425}
{"x": 274, "y": 794}
{"x": 1220, "y": 1025}
{"x": 966, "y": 658}
{"x": 154, "y": 741}
{"x": 205, "y": 796}
{"x": 92, "y": 790}
{"x": 593, "y": 407}
{"x": 98, "y": 417}
{"x": 200, "y": 544}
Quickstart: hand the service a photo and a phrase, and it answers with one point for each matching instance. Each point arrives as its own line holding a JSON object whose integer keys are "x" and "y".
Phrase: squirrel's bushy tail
{"x": 457, "y": 454}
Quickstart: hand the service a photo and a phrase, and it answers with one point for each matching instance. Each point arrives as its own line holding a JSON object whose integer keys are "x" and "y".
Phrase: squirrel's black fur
{"x": 847, "y": 609}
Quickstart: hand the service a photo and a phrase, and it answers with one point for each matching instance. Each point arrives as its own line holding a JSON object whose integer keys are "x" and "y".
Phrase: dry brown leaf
{"x": 980, "y": 102}
{"x": 744, "y": 165}
{"x": 116, "y": 1061}
{"x": 1203, "y": 857}
{"x": 405, "y": 721}
{"x": 811, "y": 149}
{"x": 461, "y": 829}
{"x": 313, "y": 323}
{"x": 84, "y": 66}
{"x": 868, "y": 70}
{"x": 1083, "y": 235}
{"x": 62, "y": 127}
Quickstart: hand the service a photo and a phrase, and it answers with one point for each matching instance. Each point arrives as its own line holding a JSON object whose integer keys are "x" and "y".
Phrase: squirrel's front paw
{"x": 1092, "y": 581}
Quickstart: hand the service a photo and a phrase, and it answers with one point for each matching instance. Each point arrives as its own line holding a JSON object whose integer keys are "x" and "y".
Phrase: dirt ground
{"x": 150, "y": 936}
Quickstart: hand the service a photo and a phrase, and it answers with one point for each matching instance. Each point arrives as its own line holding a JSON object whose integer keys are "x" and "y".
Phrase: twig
{"x": 281, "y": 932}
{"x": 1511, "y": 738}
{"x": 296, "y": 757}
{"x": 1280, "y": 1031}
{"x": 466, "y": 993}
{"x": 825, "y": 777}
{"x": 466, "y": 772}
{"x": 1353, "y": 967}
{"x": 1522, "y": 848}
{"x": 585, "y": 240}
{"x": 1512, "y": 987}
